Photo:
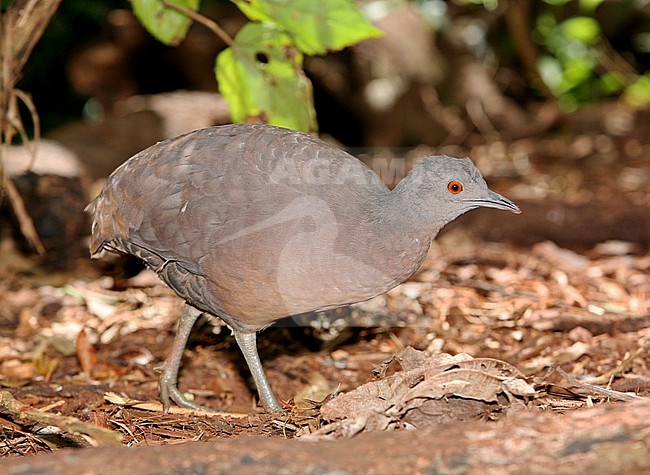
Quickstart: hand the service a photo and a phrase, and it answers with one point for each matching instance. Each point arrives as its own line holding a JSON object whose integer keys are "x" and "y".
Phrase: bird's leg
{"x": 169, "y": 376}
{"x": 248, "y": 344}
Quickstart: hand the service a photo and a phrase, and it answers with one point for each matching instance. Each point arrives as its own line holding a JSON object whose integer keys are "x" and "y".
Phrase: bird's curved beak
{"x": 495, "y": 200}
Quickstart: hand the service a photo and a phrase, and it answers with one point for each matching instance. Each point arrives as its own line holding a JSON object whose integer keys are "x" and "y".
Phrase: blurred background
{"x": 550, "y": 99}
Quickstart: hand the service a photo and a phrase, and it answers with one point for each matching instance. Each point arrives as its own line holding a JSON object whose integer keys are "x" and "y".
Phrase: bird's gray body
{"x": 254, "y": 223}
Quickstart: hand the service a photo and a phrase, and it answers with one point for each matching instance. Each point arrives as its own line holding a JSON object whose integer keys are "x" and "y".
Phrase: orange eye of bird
{"x": 454, "y": 187}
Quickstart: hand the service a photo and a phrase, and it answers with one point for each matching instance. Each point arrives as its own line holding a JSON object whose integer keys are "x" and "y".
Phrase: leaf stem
{"x": 203, "y": 20}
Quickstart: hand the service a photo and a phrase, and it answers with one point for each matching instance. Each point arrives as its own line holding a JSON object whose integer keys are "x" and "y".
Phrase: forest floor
{"x": 557, "y": 327}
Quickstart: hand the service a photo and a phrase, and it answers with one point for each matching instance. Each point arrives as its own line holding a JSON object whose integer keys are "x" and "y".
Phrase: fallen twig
{"x": 118, "y": 400}
{"x": 95, "y": 435}
{"x": 624, "y": 365}
{"x": 610, "y": 393}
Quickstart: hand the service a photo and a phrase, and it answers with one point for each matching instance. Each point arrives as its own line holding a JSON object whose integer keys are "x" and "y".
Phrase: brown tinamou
{"x": 253, "y": 223}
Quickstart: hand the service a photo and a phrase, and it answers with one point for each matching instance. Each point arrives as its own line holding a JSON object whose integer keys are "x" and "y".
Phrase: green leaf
{"x": 581, "y": 28}
{"x": 612, "y": 82}
{"x": 164, "y": 24}
{"x": 638, "y": 93}
{"x": 576, "y": 71}
{"x": 590, "y": 5}
{"x": 261, "y": 78}
{"x": 317, "y": 26}
{"x": 550, "y": 69}
{"x": 489, "y": 5}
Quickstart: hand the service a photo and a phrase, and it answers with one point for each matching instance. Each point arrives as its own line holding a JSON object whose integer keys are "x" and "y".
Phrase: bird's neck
{"x": 398, "y": 236}
{"x": 404, "y": 211}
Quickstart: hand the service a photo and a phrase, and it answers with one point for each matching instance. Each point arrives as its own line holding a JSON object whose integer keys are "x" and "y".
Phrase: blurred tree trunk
{"x": 518, "y": 19}
{"x": 21, "y": 26}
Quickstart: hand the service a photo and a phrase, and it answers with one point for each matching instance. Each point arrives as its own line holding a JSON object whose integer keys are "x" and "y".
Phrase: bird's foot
{"x": 169, "y": 392}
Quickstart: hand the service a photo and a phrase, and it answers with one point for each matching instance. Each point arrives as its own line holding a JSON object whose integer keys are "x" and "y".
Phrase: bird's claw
{"x": 169, "y": 392}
